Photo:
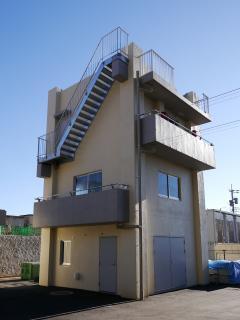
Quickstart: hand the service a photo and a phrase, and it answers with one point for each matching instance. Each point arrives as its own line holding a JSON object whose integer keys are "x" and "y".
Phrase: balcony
{"x": 105, "y": 205}
{"x": 170, "y": 140}
{"x": 157, "y": 78}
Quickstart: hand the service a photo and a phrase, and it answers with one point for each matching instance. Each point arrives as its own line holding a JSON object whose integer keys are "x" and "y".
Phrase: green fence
{"x": 20, "y": 231}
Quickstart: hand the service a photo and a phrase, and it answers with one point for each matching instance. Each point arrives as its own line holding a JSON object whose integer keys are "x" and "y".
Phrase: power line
{"x": 224, "y": 93}
{"x": 220, "y": 125}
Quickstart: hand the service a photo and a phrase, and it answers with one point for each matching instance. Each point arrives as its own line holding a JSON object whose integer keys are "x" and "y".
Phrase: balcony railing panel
{"x": 171, "y": 140}
{"x": 101, "y": 205}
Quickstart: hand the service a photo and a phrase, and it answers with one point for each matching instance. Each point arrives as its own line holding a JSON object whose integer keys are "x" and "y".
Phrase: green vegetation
{"x": 20, "y": 231}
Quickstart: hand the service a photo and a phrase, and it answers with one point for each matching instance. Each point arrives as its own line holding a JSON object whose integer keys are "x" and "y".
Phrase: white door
{"x": 108, "y": 264}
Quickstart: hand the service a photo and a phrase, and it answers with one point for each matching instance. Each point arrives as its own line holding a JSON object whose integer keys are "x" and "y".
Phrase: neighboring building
{"x": 23, "y": 220}
{"x": 122, "y": 214}
{"x": 223, "y": 234}
{"x": 2, "y": 217}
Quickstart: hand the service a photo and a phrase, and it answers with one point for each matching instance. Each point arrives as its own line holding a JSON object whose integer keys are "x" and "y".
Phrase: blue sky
{"x": 49, "y": 43}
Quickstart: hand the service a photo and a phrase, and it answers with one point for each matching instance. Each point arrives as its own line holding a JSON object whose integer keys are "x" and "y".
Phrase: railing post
{"x": 151, "y": 57}
{"x": 38, "y": 149}
{"x": 117, "y": 40}
{"x": 102, "y": 50}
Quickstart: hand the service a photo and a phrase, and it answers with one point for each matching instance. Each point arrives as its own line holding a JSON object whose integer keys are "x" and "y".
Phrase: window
{"x": 168, "y": 186}
{"x": 162, "y": 184}
{"x": 173, "y": 187}
{"x": 91, "y": 182}
{"x": 65, "y": 252}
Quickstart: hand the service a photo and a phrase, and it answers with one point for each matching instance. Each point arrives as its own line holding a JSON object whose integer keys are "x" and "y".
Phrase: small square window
{"x": 65, "y": 252}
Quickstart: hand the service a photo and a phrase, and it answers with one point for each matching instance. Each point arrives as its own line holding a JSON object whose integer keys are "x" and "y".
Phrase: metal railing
{"x": 166, "y": 117}
{"x": 111, "y": 44}
{"x": 150, "y": 61}
{"x": 76, "y": 192}
{"x": 203, "y": 104}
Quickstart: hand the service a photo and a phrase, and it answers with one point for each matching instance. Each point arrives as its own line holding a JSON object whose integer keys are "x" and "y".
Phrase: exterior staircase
{"x": 110, "y": 56}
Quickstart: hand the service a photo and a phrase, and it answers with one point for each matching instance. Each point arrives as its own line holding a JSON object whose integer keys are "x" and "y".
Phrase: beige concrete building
{"x": 123, "y": 206}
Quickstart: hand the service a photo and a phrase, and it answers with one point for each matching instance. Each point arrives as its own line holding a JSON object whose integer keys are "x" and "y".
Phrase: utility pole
{"x": 233, "y": 200}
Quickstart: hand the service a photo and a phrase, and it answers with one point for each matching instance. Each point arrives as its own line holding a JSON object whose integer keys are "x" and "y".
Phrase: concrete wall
{"x": 17, "y": 249}
{"x": 168, "y": 217}
{"x": 232, "y": 251}
{"x": 109, "y": 145}
{"x": 19, "y": 221}
{"x": 85, "y": 258}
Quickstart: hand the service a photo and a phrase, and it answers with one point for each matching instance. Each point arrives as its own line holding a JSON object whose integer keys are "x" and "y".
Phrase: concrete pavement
{"x": 188, "y": 304}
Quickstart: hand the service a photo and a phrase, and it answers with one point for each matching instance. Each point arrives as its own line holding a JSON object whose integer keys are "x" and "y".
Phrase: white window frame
{"x": 62, "y": 252}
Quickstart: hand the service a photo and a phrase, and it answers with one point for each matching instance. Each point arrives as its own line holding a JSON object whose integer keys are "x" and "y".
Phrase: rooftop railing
{"x": 151, "y": 61}
{"x": 79, "y": 192}
{"x": 111, "y": 44}
{"x": 203, "y": 104}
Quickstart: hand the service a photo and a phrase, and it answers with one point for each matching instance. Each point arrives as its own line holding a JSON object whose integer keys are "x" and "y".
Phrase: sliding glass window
{"x": 91, "y": 182}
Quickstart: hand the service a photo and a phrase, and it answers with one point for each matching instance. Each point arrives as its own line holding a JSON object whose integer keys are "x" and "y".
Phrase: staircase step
{"x": 106, "y": 77}
{"x": 67, "y": 154}
{"x": 90, "y": 108}
{"x": 93, "y": 102}
{"x": 77, "y": 132}
{"x": 103, "y": 83}
{"x": 97, "y": 96}
{"x": 87, "y": 114}
{"x": 80, "y": 126}
{"x": 68, "y": 148}
{"x": 99, "y": 89}
{"x": 84, "y": 120}
{"x": 73, "y": 137}
{"x": 108, "y": 68}
{"x": 107, "y": 71}
{"x": 71, "y": 143}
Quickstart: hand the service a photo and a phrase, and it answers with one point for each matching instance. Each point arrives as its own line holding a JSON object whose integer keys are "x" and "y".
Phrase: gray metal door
{"x": 178, "y": 262}
{"x": 108, "y": 264}
{"x": 169, "y": 263}
{"x": 162, "y": 262}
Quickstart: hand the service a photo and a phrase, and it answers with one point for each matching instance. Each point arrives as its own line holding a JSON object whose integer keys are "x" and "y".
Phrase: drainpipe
{"x": 139, "y": 179}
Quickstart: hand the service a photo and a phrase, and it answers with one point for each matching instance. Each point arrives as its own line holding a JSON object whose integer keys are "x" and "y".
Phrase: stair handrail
{"x": 72, "y": 105}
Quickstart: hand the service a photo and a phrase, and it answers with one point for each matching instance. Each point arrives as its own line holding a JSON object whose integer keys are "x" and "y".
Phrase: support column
{"x": 200, "y": 224}
{"x": 46, "y": 257}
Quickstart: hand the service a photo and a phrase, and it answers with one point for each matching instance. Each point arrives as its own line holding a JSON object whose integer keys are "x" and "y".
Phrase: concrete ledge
{"x": 160, "y": 136}
{"x": 178, "y": 104}
{"x": 104, "y": 207}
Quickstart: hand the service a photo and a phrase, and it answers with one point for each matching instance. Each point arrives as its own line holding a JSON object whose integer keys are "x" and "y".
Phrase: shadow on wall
{"x": 25, "y": 300}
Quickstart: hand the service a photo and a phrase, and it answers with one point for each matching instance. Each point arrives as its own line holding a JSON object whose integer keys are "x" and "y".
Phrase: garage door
{"x": 169, "y": 263}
